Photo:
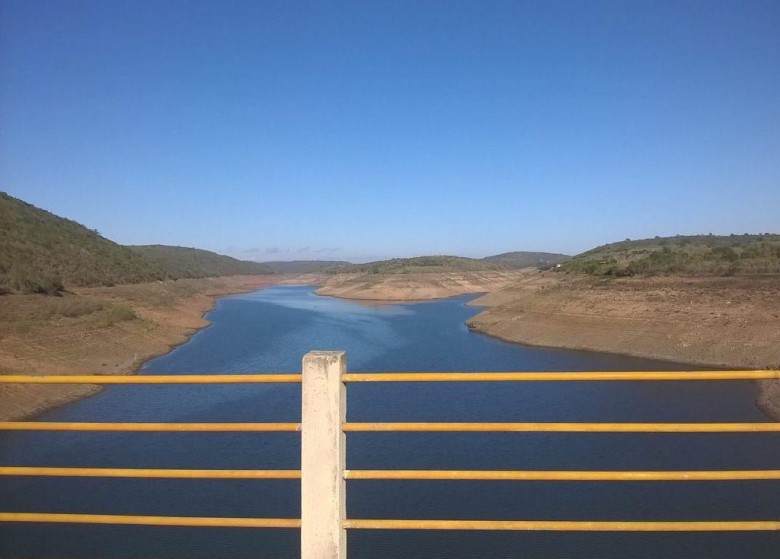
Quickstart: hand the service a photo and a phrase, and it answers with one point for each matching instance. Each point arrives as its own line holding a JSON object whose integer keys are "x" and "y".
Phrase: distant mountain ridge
{"x": 420, "y": 264}
{"x": 525, "y": 259}
{"x": 185, "y": 262}
{"x": 448, "y": 263}
{"x": 304, "y": 266}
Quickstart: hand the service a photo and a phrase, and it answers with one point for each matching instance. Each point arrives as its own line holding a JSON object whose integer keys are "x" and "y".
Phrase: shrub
{"x": 118, "y": 313}
{"x": 72, "y": 307}
{"x": 31, "y": 283}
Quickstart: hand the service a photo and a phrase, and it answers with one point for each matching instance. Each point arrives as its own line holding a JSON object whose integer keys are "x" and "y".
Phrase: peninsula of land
{"x": 411, "y": 287}
{"x": 705, "y": 300}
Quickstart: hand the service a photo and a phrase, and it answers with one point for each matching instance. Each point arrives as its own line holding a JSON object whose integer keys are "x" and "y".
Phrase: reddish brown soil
{"x": 39, "y": 335}
{"x": 729, "y": 322}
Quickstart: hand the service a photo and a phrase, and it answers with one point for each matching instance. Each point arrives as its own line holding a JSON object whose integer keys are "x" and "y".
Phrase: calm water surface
{"x": 270, "y": 330}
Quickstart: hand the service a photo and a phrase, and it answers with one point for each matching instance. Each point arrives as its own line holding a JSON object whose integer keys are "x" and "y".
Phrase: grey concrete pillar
{"x": 323, "y": 456}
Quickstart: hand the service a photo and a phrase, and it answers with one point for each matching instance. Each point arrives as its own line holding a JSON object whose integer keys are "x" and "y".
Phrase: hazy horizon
{"x": 363, "y": 131}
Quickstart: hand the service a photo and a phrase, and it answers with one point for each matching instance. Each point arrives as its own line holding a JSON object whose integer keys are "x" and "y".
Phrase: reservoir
{"x": 270, "y": 330}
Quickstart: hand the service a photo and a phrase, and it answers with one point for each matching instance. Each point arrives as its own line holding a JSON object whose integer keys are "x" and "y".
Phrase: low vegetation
{"x": 523, "y": 259}
{"x": 41, "y": 253}
{"x": 696, "y": 255}
{"x": 420, "y": 264}
{"x": 33, "y": 314}
{"x": 449, "y": 264}
{"x": 305, "y": 266}
{"x": 184, "y": 262}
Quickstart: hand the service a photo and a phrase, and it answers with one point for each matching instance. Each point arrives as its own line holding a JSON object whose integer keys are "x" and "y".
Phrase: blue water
{"x": 270, "y": 330}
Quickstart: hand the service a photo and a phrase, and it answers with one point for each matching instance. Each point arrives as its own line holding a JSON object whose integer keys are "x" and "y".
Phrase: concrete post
{"x": 323, "y": 456}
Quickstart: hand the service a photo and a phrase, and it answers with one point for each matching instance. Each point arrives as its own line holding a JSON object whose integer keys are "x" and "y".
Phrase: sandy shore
{"x": 76, "y": 334}
{"x": 412, "y": 287}
{"x": 720, "y": 322}
{"x": 730, "y": 322}
{"x": 105, "y": 331}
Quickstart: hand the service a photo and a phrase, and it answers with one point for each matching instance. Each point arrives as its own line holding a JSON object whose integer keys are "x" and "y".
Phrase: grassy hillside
{"x": 40, "y": 252}
{"x": 523, "y": 259}
{"x": 305, "y": 266}
{"x": 183, "y": 262}
{"x": 421, "y": 264}
{"x": 439, "y": 263}
{"x": 705, "y": 255}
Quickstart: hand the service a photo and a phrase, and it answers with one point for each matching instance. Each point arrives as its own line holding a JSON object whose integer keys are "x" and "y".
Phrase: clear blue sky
{"x": 368, "y": 129}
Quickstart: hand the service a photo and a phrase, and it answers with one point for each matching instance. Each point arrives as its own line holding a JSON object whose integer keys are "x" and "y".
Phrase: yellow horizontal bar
{"x": 150, "y": 520}
{"x": 146, "y": 427}
{"x": 396, "y": 377}
{"x": 764, "y": 427}
{"x": 567, "y": 427}
{"x": 149, "y": 473}
{"x": 544, "y": 525}
{"x": 561, "y": 376}
{"x": 564, "y": 525}
{"x": 149, "y": 379}
{"x": 520, "y": 475}
{"x": 543, "y": 475}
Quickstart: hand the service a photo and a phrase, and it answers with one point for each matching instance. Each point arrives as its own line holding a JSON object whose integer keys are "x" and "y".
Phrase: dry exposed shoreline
{"x": 723, "y": 322}
{"x": 720, "y": 322}
{"x": 167, "y": 314}
{"x": 728, "y": 322}
{"x": 412, "y": 286}
{"x": 73, "y": 335}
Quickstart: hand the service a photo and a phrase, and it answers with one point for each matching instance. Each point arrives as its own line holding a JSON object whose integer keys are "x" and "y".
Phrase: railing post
{"x": 323, "y": 456}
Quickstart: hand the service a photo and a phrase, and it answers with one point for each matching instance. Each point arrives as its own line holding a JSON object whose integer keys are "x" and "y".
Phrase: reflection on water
{"x": 270, "y": 330}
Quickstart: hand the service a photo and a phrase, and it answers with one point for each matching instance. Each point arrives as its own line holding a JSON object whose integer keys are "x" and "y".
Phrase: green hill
{"x": 184, "y": 262}
{"x": 523, "y": 259}
{"x": 421, "y": 264}
{"x": 40, "y": 252}
{"x": 305, "y": 266}
{"x": 444, "y": 263}
{"x": 706, "y": 255}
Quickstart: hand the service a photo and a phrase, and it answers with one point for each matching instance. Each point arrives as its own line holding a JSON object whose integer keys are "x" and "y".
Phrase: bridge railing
{"x": 323, "y": 474}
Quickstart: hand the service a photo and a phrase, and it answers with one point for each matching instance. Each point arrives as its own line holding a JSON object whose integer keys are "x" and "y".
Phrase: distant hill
{"x": 305, "y": 266}
{"x": 709, "y": 255}
{"x": 183, "y": 262}
{"x": 523, "y": 259}
{"x": 421, "y": 264}
{"x": 40, "y": 252}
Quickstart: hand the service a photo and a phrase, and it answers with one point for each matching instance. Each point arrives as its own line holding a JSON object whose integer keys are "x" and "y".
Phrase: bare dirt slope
{"x": 724, "y": 321}
{"x": 101, "y": 330}
{"x": 412, "y": 286}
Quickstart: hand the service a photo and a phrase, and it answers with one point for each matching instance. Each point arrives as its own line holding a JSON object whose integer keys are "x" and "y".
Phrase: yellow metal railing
{"x": 147, "y": 427}
{"x": 397, "y": 524}
{"x": 484, "y": 475}
{"x": 764, "y": 427}
{"x": 760, "y": 374}
{"x": 563, "y": 525}
{"x": 151, "y": 379}
{"x": 203, "y": 521}
{"x": 567, "y": 376}
{"x": 567, "y": 427}
{"x": 157, "y": 473}
{"x": 564, "y": 475}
